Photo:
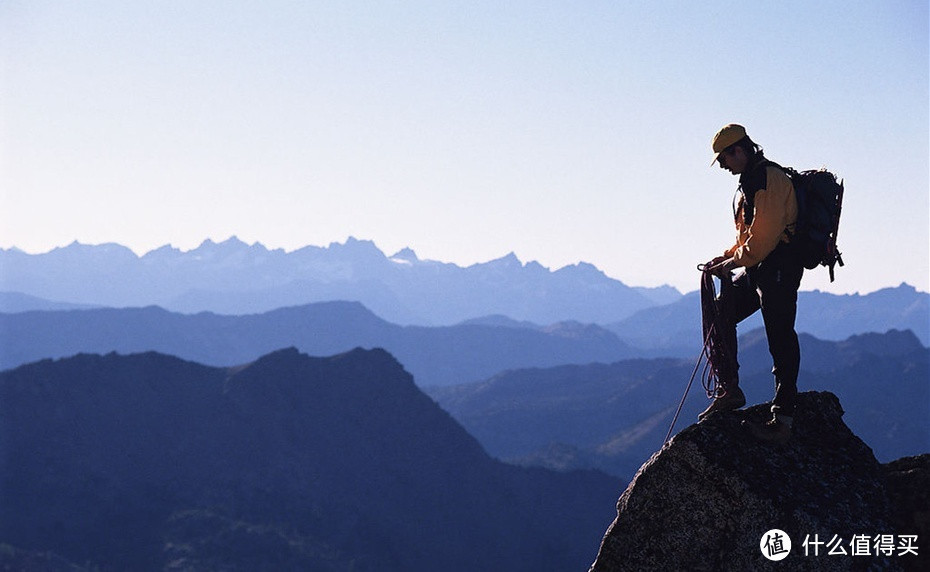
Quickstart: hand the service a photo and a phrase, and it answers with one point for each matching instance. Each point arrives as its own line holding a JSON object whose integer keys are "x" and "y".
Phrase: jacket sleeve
{"x": 775, "y": 208}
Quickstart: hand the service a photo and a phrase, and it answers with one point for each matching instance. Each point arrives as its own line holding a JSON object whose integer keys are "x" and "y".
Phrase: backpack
{"x": 820, "y": 201}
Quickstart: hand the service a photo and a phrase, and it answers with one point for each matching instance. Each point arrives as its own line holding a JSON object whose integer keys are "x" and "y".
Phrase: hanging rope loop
{"x": 717, "y": 353}
{"x": 717, "y": 316}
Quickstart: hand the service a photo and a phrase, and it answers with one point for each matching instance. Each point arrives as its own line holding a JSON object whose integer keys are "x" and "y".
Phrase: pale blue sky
{"x": 561, "y": 131}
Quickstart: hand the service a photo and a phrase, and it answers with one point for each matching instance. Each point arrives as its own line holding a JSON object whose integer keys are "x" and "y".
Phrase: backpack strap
{"x": 750, "y": 182}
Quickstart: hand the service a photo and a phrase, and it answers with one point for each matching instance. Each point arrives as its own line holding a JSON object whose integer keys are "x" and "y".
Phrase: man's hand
{"x": 721, "y": 266}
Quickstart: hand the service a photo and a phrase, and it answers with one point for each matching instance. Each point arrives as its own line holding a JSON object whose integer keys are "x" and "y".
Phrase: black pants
{"x": 772, "y": 286}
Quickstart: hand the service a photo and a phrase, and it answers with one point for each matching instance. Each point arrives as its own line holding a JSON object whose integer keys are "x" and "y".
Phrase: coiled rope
{"x": 719, "y": 359}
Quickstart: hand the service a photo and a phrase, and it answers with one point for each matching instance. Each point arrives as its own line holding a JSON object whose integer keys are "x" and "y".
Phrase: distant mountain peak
{"x": 163, "y": 250}
{"x": 584, "y": 269}
{"x": 366, "y": 249}
{"x": 353, "y": 242}
{"x": 230, "y": 244}
{"x": 903, "y": 288}
{"x": 375, "y": 359}
{"x": 106, "y": 248}
{"x": 510, "y": 260}
{"x": 891, "y": 343}
{"x": 405, "y": 254}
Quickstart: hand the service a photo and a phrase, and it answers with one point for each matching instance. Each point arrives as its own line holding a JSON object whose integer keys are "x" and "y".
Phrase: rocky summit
{"x": 711, "y": 497}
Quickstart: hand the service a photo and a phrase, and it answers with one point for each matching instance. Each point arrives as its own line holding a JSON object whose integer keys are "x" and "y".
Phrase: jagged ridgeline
{"x": 232, "y": 277}
{"x": 235, "y": 278}
{"x": 149, "y": 462}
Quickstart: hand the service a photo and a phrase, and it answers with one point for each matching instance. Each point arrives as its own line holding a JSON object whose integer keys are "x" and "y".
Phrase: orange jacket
{"x": 775, "y": 214}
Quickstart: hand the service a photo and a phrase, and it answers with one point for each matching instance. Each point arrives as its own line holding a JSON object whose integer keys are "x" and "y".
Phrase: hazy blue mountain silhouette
{"x": 672, "y": 328}
{"x": 435, "y": 356}
{"x": 613, "y": 416}
{"x": 289, "y": 463}
{"x": 14, "y": 302}
{"x": 232, "y": 277}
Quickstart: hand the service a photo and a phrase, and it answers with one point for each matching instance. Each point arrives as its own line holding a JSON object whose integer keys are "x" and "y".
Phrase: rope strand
{"x": 716, "y": 353}
{"x": 687, "y": 388}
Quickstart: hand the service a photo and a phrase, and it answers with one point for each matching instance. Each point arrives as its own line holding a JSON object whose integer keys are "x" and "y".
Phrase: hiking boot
{"x": 774, "y": 430}
{"x": 730, "y": 400}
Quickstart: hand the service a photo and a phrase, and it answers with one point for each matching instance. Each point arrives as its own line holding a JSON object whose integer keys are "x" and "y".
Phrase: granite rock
{"x": 710, "y": 496}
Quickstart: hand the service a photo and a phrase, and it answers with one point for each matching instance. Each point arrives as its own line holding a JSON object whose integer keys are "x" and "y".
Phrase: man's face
{"x": 733, "y": 160}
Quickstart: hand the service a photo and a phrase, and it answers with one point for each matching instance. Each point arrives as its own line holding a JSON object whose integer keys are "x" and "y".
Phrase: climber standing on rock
{"x": 765, "y": 216}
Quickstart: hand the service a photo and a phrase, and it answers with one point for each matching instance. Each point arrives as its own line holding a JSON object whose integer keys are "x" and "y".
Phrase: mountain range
{"x": 150, "y": 420}
{"x": 614, "y": 416}
{"x": 232, "y": 277}
{"x": 672, "y": 328}
{"x": 435, "y": 356}
{"x": 149, "y": 462}
{"x": 470, "y": 351}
